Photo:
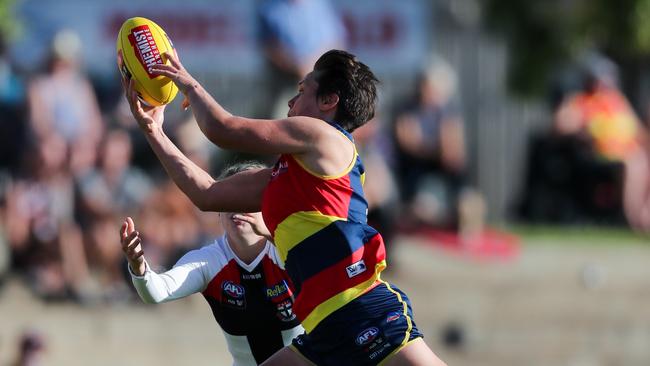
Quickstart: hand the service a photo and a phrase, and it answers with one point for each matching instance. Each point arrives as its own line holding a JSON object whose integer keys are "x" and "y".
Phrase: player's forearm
{"x": 155, "y": 289}
{"x": 216, "y": 123}
{"x": 180, "y": 281}
{"x": 189, "y": 177}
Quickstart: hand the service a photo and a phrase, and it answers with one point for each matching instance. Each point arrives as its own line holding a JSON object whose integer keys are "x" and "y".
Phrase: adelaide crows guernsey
{"x": 253, "y": 303}
{"x": 319, "y": 225}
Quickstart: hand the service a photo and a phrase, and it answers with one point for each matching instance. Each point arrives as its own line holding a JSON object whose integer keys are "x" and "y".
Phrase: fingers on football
{"x": 164, "y": 70}
{"x": 173, "y": 58}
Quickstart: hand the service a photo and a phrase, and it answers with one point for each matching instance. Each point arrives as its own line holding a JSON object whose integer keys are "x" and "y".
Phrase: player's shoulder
{"x": 215, "y": 253}
{"x": 274, "y": 255}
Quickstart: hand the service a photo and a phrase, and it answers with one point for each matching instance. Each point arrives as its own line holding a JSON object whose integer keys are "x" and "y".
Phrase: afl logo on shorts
{"x": 233, "y": 289}
{"x": 367, "y": 336}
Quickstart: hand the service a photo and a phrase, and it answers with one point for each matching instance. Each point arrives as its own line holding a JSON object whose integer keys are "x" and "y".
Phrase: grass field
{"x": 571, "y": 296}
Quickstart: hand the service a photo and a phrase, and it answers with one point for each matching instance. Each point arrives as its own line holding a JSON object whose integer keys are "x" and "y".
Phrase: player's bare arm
{"x": 239, "y": 193}
{"x": 310, "y": 139}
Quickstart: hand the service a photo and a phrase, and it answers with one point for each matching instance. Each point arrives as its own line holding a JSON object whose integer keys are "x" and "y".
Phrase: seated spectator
{"x": 62, "y": 101}
{"x": 592, "y": 165}
{"x": 430, "y": 150}
{"x": 106, "y": 193}
{"x": 12, "y": 110}
{"x": 45, "y": 241}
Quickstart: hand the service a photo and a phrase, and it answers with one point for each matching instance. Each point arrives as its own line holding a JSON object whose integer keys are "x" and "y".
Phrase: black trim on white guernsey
{"x": 252, "y": 302}
{"x": 244, "y": 303}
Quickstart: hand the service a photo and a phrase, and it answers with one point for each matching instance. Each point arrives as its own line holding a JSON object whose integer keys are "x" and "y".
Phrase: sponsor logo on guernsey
{"x": 393, "y": 316}
{"x": 356, "y": 268}
{"x": 277, "y": 290}
{"x": 285, "y": 311}
{"x": 279, "y": 168}
{"x": 145, "y": 48}
{"x": 367, "y": 336}
{"x": 233, "y": 289}
{"x": 251, "y": 276}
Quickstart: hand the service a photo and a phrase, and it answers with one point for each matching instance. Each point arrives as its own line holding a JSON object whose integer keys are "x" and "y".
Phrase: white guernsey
{"x": 251, "y": 302}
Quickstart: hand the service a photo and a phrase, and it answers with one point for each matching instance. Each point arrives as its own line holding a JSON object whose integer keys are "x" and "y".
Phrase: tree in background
{"x": 9, "y": 25}
{"x": 546, "y": 34}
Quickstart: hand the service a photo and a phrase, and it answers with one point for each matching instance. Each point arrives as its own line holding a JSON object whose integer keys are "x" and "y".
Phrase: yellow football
{"x": 140, "y": 44}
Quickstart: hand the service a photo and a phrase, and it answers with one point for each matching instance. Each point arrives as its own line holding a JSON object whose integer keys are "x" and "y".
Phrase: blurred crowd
{"x": 73, "y": 163}
{"x": 69, "y": 174}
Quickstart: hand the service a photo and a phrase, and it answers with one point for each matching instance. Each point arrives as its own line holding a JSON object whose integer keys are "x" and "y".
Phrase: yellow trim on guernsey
{"x": 334, "y": 176}
{"x": 299, "y": 226}
{"x": 327, "y": 307}
{"x": 409, "y": 323}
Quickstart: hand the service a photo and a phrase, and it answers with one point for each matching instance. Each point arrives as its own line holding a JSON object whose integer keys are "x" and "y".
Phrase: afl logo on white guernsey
{"x": 233, "y": 289}
{"x": 356, "y": 268}
{"x": 232, "y": 295}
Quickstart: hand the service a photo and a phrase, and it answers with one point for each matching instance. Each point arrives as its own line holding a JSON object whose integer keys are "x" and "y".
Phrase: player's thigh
{"x": 416, "y": 353}
{"x": 286, "y": 357}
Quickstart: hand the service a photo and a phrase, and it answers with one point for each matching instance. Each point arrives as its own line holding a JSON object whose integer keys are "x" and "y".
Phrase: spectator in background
{"x": 593, "y": 165}
{"x": 46, "y": 242}
{"x": 430, "y": 150}
{"x": 62, "y": 102}
{"x": 12, "y": 110}
{"x": 31, "y": 349}
{"x": 601, "y": 115}
{"x": 293, "y": 34}
{"x": 107, "y": 193}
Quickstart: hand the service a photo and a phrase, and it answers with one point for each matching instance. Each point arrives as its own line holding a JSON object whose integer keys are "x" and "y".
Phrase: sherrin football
{"x": 140, "y": 44}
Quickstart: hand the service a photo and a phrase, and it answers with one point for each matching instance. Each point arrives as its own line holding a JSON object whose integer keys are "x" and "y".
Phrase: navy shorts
{"x": 364, "y": 332}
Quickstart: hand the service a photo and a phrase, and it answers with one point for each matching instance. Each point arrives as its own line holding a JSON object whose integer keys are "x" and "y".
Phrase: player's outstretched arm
{"x": 239, "y": 193}
{"x": 187, "y": 277}
{"x": 293, "y": 135}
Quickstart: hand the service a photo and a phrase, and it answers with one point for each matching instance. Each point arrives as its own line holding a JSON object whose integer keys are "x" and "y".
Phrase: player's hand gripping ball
{"x": 141, "y": 43}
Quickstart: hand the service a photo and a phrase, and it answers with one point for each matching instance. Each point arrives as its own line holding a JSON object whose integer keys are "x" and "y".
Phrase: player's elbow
{"x": 202, "y": 204}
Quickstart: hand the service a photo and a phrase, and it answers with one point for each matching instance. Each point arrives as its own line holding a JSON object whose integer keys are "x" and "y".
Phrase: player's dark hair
{"x": 238, "y": 167}
{"x": 341, "y": 73}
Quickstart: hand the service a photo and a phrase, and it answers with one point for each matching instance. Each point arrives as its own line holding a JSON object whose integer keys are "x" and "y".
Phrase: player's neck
{"x": 246, "y": 248}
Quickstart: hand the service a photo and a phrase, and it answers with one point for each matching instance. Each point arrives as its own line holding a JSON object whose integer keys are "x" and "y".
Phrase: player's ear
{"x": 328, "y": 102}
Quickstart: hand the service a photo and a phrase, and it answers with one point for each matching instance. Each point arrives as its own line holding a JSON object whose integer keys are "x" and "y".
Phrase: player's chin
{"x": 239, "y": 223}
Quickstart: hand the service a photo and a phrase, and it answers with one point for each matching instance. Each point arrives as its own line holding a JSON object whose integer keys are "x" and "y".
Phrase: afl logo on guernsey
{"x": 367, "y": 336}
{"x": 233, "y": 289}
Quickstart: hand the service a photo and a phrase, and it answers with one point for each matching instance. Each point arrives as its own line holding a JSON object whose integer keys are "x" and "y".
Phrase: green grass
{"x": 577, "y": 235}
